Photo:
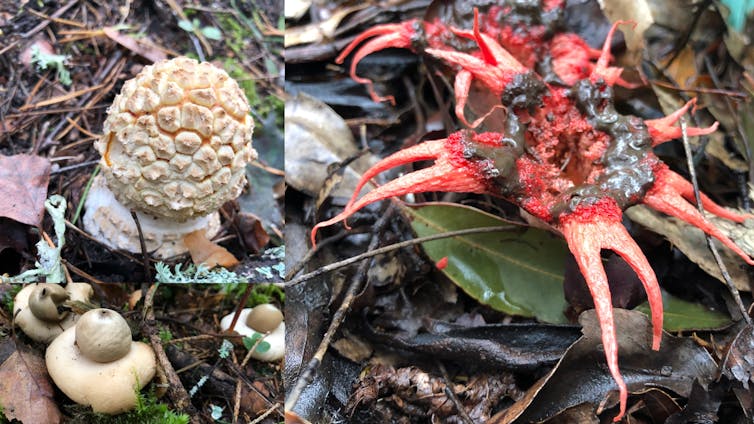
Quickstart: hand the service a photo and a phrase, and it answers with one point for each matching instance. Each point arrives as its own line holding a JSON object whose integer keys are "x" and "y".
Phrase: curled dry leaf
{"x": 254, "y": 236}
{"x": 26, "y": 392}
{"x": 204, "y": 251}
{"x": 23, "y": 187}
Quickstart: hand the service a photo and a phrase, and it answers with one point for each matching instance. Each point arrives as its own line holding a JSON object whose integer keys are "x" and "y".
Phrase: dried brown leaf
{"x": 141, "y": 48}
{"x": 254, "y": 236}
{"x": 204, "y": 251}
{"x": 26, "y": 392}
{"x": 23, "y": 187}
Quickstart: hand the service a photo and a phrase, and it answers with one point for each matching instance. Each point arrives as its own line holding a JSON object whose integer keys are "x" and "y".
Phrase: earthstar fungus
{"x": 96, "y": 363}
{"x": 566, "y": 157}
{"x": 38, "y": 309}
{"x": 175, "y": 145}
{"x": 264, "y": 319}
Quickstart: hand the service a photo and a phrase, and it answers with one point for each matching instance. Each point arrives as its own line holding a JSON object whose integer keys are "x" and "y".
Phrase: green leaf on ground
{"x": 682, "y": 315}
{"x": 518, "y": 272}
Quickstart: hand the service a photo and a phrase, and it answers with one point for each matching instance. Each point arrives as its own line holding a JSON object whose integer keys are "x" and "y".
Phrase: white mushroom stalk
{"x": 96, "y": 363}
{"x": 265, "y": 320}
{"x": 38, "y": 309}
{"x": 175, "y": 147}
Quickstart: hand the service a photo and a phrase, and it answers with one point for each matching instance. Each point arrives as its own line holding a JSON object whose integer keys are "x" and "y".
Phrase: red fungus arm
{"x": 387, "y": 35}
{"x": 450, "y": 173}
{"x": 610, "y": 74}
{"x": 668, "y": 194}
{"x": 662, "y": 129}
{"x": 587, "y": 231}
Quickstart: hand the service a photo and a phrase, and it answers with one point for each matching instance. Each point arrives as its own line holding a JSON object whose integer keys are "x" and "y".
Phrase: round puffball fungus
{"x": 262, "y": 319}
{"x": 175, "y": 147}
{"x": 96, "y": 363}
{"x": 37, "y": 308}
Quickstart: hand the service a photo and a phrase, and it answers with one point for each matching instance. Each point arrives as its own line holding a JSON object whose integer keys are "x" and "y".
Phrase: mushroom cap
{"x": 39, "y": 329}
{"x": 103, "y": 335}
{"x": 177, "y": 139}
{"x": 264, "y": 318}
{"x": 276, "y": 338}
{"x": 110, "y": 388}
{"x": 44, "y": 301}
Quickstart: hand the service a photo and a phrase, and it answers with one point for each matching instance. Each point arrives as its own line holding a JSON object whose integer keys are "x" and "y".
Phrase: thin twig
{"x": 72, "y": 167}
{"x": 310, "y": 370}
{"x": 266, "y": 413}
{"x": 390, "y": 248}
{"x": 176, "y": 391}
{"x": 240, "y": 306}
{"x": 723, "y": 270}
{"x": 452, "y": 395}
{"x": 144, "y": 253}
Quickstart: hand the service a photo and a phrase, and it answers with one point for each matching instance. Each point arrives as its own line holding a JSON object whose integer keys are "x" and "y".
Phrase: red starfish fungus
{"x": 566, "y": 157}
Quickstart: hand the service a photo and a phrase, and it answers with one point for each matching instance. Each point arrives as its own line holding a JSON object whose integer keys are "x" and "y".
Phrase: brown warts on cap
{"x": 97, "y": 363}
{"x": 265, "y": 319}
{"x": 39, "y": 311}
{"x": 174, "y": 149}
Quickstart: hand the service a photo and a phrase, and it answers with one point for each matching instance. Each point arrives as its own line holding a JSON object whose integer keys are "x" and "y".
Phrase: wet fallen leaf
{"x": 516, "y": 347}
{"x": 23, "y": 187}
{"x": 739, "y": 362}
{"x": 518, "y": 272}
{"x": 702, "y": 405}
{"x": 204, "y": 251}
{"x": 141, "y": 48}
{"x": 26, "y": 392}
{"x": 582, "y": 376}
{"x": 659, "y": 404}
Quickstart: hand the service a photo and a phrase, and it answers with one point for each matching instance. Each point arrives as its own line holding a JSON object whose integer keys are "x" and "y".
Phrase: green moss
{"x": 7, "y": 301}
{"x": 148, "y": 411}
{"x": 261, "y": 293}
{"x": 165, "y": 334}
{"x": 262, "y": 106}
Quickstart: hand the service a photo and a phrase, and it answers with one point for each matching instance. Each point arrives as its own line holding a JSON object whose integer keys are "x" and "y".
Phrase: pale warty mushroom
{"x": 38, "y": 308}
{"x": 267, "y": 321}
{"x": 175, "y": 146}
{"x": 96, "y": 363}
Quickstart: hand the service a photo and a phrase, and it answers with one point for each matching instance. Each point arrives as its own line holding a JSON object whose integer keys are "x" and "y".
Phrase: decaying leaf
{"x": 204, "y": 251}
{"x": 26, "y": 392}
{"x": 316, "y": 32}
{"x": 23, "y": 187}
{"x": 739, "y": 362}
{"x": 316, "y": 136}
{"x": 582, "y": 377}
{"x": 386, "y": 393}
{"x": 255, "y": 238}
{"x": 692, "y": 242}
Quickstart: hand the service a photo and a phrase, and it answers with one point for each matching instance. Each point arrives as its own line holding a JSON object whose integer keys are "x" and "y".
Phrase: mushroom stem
{"x": 110, "y": 222}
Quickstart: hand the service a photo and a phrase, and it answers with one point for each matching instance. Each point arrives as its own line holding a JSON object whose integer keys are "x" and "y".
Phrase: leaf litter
{"x": 391, "y": 317}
